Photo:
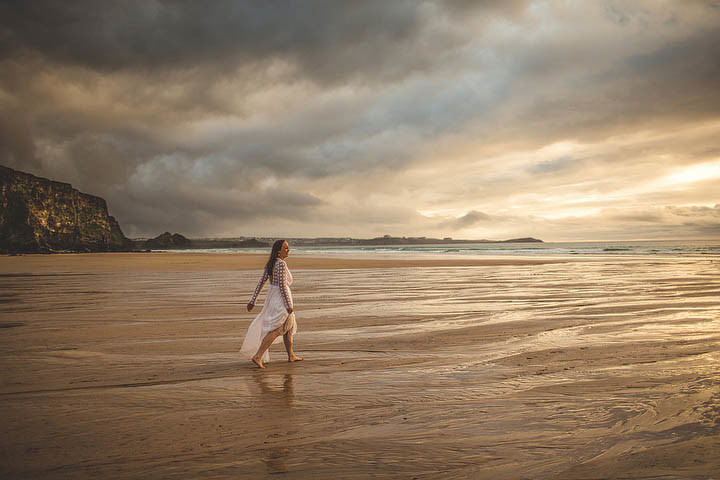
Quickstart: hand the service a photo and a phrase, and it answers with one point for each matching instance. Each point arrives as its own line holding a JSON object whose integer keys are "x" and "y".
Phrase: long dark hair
{"x": 273, "y": 256}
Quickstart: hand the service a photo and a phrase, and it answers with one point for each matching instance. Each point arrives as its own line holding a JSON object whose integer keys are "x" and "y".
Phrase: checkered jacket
{"x": 279, "y": 279}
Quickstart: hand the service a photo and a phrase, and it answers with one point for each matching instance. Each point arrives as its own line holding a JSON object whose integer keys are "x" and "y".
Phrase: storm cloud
{"x": 318, "y": 118}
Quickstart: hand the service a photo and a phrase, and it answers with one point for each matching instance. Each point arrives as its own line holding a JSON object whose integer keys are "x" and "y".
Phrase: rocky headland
{"x": 40, "y": 215}
{"x": 166, "y": 241}
{"x": 176, "y": 241}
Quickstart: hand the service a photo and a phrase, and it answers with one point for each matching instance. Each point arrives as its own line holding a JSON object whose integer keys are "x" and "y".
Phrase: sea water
{"x": 655, "y": 247}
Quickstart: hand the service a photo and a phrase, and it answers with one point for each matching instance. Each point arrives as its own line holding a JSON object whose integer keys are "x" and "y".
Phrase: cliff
{"x": 40, "y": 215}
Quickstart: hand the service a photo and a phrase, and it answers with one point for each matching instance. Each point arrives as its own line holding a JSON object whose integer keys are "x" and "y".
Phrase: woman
{"x": 276, "y": 317}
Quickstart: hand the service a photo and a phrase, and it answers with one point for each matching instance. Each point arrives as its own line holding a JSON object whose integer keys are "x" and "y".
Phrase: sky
{"x": 560, "y": 120}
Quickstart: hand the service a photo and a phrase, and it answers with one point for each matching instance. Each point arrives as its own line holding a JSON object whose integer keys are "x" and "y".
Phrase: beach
{"x": 126, "y": 365}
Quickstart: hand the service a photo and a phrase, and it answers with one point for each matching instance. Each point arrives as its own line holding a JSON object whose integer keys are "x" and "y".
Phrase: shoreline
{"x": 191, "y": 262}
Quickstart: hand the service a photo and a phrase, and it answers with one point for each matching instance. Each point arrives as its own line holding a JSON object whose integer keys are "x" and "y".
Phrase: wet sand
{"x": 126, "y": 366}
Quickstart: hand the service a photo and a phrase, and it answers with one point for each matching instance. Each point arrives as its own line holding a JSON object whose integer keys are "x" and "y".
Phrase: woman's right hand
{"x": 250, "y": 306}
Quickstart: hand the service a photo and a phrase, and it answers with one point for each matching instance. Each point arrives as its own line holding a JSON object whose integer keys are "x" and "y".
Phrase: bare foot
{"x": 294, "y": 358}
{"x": 257, "y": 362}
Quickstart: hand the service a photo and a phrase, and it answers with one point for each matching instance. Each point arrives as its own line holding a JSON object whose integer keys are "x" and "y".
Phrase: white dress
{"x": 274, "y": 312}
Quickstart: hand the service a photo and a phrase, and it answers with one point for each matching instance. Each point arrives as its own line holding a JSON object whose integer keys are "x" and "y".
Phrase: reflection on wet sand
{"x": 598, "y": 369}
{"x": 275, "y": 460}
{"x": 276, "y": 394}
{"x": 278, "y": 399}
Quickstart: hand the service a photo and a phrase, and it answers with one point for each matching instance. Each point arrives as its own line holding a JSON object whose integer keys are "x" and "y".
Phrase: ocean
{"x": 655, "y": 247}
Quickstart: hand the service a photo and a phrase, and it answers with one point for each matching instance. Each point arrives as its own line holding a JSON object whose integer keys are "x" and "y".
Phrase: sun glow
{"x": 694, "y": 173}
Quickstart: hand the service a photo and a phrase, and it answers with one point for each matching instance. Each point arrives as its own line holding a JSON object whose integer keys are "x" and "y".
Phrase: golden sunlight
{"x": 694, "y": 173}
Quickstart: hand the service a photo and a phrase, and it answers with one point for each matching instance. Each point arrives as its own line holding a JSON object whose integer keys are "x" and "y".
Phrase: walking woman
{"x": 276, "y": 319}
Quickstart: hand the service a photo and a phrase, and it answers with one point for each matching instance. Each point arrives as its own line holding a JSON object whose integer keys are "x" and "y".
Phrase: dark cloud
{"x": 696, "y": 212}
{"x": 17, "y": 148}
{"x": 198, "y": 211}
{"x": 325, "y": 39}
{"x": 472, "y": 218}
{"x": 670, "y": 82}
{"x": 555, "y": 165}
{"x": 637, "y": 217}
{"x": 200, "y": 116}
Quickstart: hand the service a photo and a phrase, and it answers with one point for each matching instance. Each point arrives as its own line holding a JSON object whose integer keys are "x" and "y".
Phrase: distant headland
{"x": 263, "y": 242}
{"x": 390, "y": 240}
